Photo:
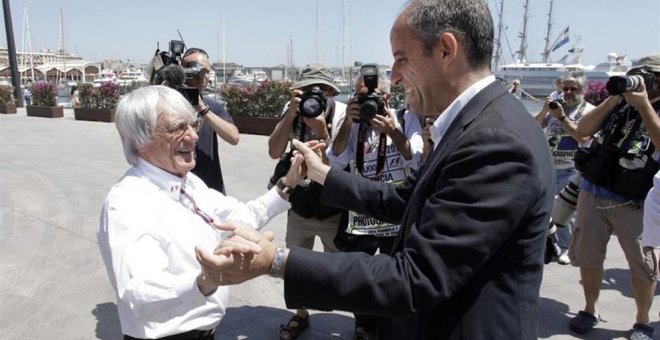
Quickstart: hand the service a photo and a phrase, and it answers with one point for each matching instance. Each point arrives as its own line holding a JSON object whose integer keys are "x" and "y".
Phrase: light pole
{"x": 11, "y": 48}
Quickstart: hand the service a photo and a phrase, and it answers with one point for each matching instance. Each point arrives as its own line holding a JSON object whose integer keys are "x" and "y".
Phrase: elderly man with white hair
{"x": 158, "y": 213}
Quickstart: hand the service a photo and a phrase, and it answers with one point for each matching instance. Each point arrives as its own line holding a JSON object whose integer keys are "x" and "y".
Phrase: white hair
{"x": 138, "y": 112}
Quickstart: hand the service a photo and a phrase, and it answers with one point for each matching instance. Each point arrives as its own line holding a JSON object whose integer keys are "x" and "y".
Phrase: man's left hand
{"x": 243, "y": 256}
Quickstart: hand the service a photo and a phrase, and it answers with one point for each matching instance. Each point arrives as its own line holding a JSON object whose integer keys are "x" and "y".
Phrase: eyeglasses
{"x": 179, "y": 129}
{"x": 572, "y": 89}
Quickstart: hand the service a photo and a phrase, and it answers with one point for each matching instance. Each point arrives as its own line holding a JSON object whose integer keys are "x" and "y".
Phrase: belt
{"x": 189, "y": 335}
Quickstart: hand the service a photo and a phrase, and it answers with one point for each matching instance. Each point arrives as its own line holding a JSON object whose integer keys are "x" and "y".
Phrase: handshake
{"x": 248, "y": 253}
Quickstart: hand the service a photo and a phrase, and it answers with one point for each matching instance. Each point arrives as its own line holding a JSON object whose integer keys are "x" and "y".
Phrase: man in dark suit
{"x": 468, "y": 261}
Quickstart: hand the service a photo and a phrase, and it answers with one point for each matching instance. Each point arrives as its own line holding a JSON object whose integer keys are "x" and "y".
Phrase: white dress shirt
{"x": 147, "y": 236}
{"x": 442, "y": 123}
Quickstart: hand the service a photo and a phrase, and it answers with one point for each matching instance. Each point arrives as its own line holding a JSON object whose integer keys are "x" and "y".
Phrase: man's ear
{"x": 447, "y": 46}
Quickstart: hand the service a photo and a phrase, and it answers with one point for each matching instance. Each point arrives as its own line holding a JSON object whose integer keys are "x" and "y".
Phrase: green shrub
{"x": 6, "y": 94}
{"x": 398, "y": 100}
{"x": 100, "y": 97}
{"x": 44, "y": 94}
{"x": 265, "y": 99}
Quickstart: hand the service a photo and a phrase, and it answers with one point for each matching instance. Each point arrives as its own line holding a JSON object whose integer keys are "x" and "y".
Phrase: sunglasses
{"x": 572, "y": 89}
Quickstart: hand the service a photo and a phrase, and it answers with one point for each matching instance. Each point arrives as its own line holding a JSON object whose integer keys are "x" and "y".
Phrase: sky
{"x": 258, "y": 32}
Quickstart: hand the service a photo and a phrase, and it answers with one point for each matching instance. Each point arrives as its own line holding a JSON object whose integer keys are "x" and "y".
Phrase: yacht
{"x": 537, "y": 78}
{"x": 130, "y": 76}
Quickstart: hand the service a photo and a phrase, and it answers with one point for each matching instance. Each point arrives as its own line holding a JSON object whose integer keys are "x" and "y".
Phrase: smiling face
{"x": 415, "y": 70}
{"x": 172, "y": 145}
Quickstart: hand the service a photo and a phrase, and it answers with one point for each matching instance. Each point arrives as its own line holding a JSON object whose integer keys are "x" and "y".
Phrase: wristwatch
{"x": 283, "y": 187}
{"x": 278, "y": 261}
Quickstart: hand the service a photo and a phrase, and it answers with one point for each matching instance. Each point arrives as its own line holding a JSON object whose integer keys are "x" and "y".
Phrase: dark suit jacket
{"x": 468, "y": 261}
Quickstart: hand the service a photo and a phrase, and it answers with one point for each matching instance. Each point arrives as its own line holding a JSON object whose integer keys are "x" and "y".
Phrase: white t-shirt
{"x": 395, "y": 168}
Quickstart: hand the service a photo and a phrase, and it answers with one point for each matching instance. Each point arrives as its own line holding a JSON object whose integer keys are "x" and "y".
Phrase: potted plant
{"x": 44, "y": 102}
{"x": 256, "y": 108}
{"x": 7, "y": 104}
{"x": 97, "y": 103}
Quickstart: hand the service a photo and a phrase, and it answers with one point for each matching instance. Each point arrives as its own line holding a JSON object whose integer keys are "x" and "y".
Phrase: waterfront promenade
{"x": 54, "y": 174}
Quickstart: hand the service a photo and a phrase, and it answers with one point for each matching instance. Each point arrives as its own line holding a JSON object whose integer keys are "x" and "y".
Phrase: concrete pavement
{"x": 54, "y": 174}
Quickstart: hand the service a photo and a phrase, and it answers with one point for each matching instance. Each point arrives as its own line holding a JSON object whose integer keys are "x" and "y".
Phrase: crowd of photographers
{"x": 604, "y": 162}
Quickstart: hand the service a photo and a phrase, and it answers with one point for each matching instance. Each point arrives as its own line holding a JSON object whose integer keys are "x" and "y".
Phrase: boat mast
{"x": 523, "y": 35}
{"x": 317, "y": 32}
{"x": 498, "y": 42}
{"x": 60, "y": 49}
{"x": 546, "y": 50}
{"x": 344, "y": 45}
{"x": 224, "y": 47}
{"x": 27, "y": 41}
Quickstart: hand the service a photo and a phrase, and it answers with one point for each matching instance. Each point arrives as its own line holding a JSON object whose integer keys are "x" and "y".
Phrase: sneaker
{"x": 563, "y": 257}
{"x": 583, "y": 322}
{"x": 641, "y": 331}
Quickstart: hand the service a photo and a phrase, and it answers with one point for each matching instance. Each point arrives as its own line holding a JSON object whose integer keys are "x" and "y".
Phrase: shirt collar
{"x": 164, "y": 180}
{"x": 442, "y": 123}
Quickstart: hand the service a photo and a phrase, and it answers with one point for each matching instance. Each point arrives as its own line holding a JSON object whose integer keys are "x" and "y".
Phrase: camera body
{"x": 370, "y": 103}
{"x": 556, "y": 103}
{"x": 631, "y": 81}
{"x": 313, "y": 102}
{"x": 194, "y": 71}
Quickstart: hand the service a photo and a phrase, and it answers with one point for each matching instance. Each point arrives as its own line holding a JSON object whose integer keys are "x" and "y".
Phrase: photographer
{"x": 559, "y": 118}
{"x": 358, "y": 144}
{"x": 197, "y": 68}
{"x": 307, "y": 218}
{"x": 617, "y": 173}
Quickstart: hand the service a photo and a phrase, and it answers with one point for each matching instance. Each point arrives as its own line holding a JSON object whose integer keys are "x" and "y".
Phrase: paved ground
{"x": 54, "y": 174}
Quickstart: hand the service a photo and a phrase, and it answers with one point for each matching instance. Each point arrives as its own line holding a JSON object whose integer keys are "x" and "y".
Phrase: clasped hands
{"x": 248, "y": 253}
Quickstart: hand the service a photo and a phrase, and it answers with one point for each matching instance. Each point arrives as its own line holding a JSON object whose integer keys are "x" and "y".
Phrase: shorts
{"x": 597, "y": 219}
{"x": 300, "y": 231}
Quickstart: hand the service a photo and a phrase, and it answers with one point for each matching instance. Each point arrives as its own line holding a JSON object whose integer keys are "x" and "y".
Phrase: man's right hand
{"x": 312, "y": 151}
{"x": 294, "y": 103}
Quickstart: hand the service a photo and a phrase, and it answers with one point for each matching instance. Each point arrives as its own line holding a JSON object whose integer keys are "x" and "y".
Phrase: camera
{"x": 566, "y": 202}
{"x": 630, "y": 82}
{"x": 556, "y": 103}
{"x": 313, "y": 102}
{"x": 194, "y": 70}
{"x": 371, "y": 103}
{"x": 190, "y": 93}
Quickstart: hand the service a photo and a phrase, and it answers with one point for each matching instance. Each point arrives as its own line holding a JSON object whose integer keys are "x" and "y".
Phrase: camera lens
{"x": 311, "y": 107}
{"x": 368, "y": 110}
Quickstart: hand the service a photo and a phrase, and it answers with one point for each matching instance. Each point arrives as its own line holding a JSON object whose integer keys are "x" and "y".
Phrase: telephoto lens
{"x": 566, "y": 202}
{"x": 619, "y": 84}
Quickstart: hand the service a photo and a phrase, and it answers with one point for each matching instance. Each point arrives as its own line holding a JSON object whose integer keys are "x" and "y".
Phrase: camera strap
{"x": 359, "y": 150}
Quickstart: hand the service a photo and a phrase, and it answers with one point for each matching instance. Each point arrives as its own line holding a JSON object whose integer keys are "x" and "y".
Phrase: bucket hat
{"x": 315, "y": 74}
{"x": 651, "y": 62}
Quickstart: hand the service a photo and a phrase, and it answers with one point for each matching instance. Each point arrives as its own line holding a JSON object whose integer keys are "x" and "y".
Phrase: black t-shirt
{"x": 207, "y": 160}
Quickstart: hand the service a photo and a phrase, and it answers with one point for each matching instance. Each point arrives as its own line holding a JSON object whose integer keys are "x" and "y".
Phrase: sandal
{"x": 583, "y": 322}
{"x": 296, "y": 325}
{"x": 641, "y": 331}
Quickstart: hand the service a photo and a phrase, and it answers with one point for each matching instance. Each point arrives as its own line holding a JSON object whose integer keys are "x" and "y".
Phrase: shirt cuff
{"x": 188, "y": 291}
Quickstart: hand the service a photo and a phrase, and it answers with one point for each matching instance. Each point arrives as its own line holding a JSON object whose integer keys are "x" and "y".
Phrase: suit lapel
{"x": 465, "y": 117}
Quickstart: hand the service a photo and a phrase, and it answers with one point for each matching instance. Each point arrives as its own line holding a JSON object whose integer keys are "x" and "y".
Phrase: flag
{"x": 562, "y": 39}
